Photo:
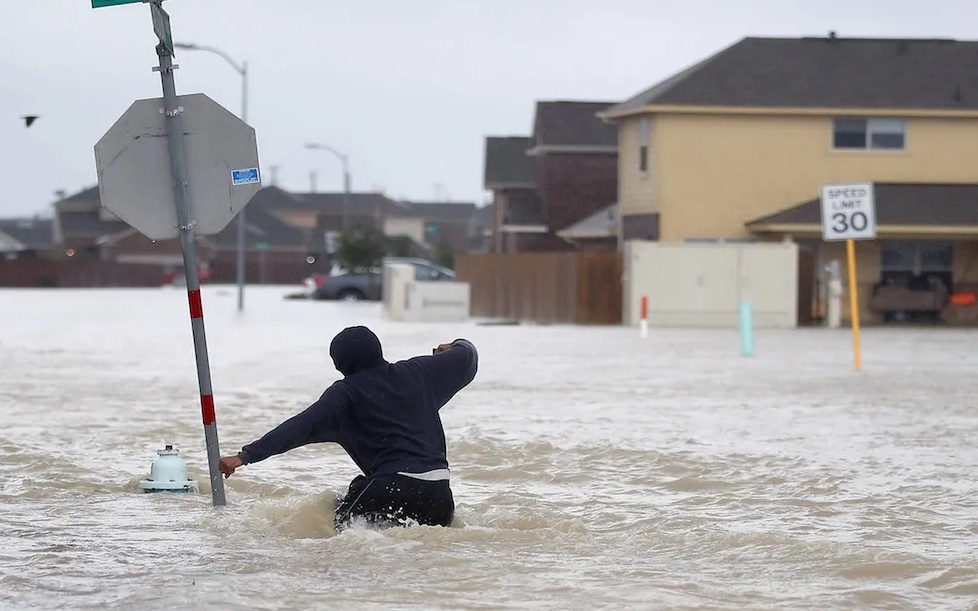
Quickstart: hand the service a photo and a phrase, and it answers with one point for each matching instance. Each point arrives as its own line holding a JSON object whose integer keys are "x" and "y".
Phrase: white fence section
{"x": 408, "y": 300}
{"x": 703, "y": 284}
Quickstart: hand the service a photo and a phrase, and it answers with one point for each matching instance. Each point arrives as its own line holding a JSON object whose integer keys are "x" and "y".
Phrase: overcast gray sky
{"x": 407, "y": 89}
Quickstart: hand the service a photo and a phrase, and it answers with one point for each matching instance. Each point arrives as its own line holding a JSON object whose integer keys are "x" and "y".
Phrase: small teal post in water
{"x": 746, "y": 329}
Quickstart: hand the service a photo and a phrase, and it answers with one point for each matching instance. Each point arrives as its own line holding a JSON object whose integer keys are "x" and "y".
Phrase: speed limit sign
{"x": 848, "y": 212}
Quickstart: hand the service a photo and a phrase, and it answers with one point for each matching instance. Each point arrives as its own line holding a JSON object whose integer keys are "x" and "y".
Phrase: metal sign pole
{"x": 196, "y": 195}
{"x": 178, "y": 166}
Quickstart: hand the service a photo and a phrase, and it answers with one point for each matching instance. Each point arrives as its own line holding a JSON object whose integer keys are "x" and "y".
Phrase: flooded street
{"x": 591, "y": 468}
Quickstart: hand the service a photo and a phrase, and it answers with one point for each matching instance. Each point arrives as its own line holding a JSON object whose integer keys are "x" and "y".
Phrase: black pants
{"x": 393, "y": 500}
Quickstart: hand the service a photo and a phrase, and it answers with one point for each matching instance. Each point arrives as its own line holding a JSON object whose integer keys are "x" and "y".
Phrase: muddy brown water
{"x": 591, "y": 468}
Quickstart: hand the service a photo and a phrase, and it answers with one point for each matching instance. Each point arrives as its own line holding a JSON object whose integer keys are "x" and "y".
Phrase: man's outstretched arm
{"x": 451, "y": 368}
{"x": 318, "y": 423}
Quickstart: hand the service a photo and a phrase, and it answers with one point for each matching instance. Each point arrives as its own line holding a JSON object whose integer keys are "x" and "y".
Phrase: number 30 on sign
{"x": 848, "y": 212}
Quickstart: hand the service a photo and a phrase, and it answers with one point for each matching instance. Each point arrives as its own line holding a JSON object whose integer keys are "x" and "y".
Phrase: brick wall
{"x": 574, "y": 186}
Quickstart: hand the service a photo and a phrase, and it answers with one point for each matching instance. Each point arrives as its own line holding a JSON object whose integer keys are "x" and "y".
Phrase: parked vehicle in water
{"x": 343, "y": 285}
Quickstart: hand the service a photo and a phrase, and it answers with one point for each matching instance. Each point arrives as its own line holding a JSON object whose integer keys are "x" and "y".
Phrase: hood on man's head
{"x": 355, "y": 348}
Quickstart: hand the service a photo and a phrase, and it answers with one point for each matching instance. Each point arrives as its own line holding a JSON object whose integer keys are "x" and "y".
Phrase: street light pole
{"x": 344, "y": 160}
{"x": 242, "y": 70}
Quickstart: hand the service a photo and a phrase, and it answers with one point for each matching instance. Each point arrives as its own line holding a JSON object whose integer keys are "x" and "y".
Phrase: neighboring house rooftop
{"x": 897, "y": 204}
{"x": 82, "y": 225}
{"x": 572, "y": 125}
{"x": 81, "y": 217}
{"x": 438, "y": 212}
{"x": 507, "y": 164}
{"x": 88, "y": 196}
{"x": 361, "y": 203}
{"x": 261, "y": 227}
{"x": 601, "y": 224}
{"x": 832, "y": 72}
{"x": 31, "y": 233}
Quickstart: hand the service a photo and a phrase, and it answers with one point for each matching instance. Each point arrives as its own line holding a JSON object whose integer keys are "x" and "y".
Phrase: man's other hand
{"x": 441, "y": 348}
{"x": 228, "y": 464}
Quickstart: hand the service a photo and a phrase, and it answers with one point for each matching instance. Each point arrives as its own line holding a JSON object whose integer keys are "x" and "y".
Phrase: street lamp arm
{"x": 239, "y": 68}
{"x": 326, "y": 147}
{"x": 242, "y": 70}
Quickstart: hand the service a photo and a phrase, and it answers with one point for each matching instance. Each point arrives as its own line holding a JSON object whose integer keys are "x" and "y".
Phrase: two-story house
{"x": 517, "y": 210}
{"x": 738, "y": 145}
{"x": 566, "y": 171}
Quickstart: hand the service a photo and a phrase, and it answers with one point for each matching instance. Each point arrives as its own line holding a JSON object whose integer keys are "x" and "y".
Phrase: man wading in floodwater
{"x": 385, "y": 415}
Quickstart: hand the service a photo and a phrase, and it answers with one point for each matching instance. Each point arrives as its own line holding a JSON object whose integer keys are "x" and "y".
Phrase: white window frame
{"x": 917, "y": 267}
{"x": 873, "y": 126}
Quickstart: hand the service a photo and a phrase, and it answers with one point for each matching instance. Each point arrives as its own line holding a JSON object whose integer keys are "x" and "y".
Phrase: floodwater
{"x": 591, "y": 468}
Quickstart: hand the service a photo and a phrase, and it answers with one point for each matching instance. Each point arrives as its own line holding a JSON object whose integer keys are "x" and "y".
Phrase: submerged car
{"x": 347, "y": 286}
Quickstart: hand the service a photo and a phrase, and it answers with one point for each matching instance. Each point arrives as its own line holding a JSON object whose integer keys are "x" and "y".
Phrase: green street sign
{"x": 103, "y": 3}
{"x": 262, "y": 245}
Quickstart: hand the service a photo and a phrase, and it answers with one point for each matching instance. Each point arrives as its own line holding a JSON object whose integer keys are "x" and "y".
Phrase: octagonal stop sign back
{"x": 136, "y": 183}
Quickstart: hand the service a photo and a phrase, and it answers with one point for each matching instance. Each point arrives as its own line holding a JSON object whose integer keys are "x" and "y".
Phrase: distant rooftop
{"x": 829, "y": 72}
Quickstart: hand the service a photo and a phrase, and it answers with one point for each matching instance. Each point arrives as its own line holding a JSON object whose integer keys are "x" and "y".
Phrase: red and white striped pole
{"x": 208, "y": 415}
{"x": 644, "y": 322}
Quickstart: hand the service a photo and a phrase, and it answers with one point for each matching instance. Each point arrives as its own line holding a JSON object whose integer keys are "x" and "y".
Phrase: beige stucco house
{"x": 738, "y": 146}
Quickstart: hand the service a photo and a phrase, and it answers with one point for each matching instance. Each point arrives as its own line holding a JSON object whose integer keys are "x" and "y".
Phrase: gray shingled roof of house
{"x": 933, "y": 204}
{"x": 568, "y": 123}
{"x": 603, "y": 222}
{"x": 438, "y": 212}
{"x": 78, "y": 216}
{"x": 34, "y": 234}
{"x": 261, "y": 226}
{"x": 87, "y": 225}
{"x": 361, "y": 204}
{"x": 825, "y": 73}
{"x": 506, "y": 162}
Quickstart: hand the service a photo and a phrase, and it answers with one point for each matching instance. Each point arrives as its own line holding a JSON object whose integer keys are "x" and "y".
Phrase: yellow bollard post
{"x": 854, "y": 302}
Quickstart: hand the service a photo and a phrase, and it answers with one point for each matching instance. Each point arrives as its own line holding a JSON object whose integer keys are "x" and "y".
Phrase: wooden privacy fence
{"x": 561, "y": 287}
{"x": 77, "y": 274}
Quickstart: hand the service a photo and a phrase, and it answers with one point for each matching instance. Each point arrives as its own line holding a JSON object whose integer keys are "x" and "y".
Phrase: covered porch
{"x": 923, "y": 265}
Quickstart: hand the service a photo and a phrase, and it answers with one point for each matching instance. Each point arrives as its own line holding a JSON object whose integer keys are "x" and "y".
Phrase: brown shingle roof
{"x": 566, "y": 123}
{"x": 506, "y": 162}
{"x": 825, "y": 73}
{"x": 934, "y": 204}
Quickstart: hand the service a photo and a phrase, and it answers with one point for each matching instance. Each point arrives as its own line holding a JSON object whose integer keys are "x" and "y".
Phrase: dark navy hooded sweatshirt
{"x": 385, "y": 415}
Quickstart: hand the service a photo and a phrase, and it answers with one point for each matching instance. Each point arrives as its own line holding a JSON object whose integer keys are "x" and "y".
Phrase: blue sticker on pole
{"x": 248, "y": 176}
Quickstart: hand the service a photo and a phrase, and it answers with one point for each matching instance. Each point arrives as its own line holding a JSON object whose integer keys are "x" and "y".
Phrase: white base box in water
{"x": 439, "y": 301}
{"x": 409, "y": 300}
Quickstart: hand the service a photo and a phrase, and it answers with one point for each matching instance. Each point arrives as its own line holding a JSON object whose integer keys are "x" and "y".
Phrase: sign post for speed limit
{"x": 849, "y": 214}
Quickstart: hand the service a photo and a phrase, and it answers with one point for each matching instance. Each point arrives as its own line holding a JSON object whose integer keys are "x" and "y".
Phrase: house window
{"x": 869, "y": 134}
{"x": 907, "y": 261}
{"x": 643, "y": 145}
